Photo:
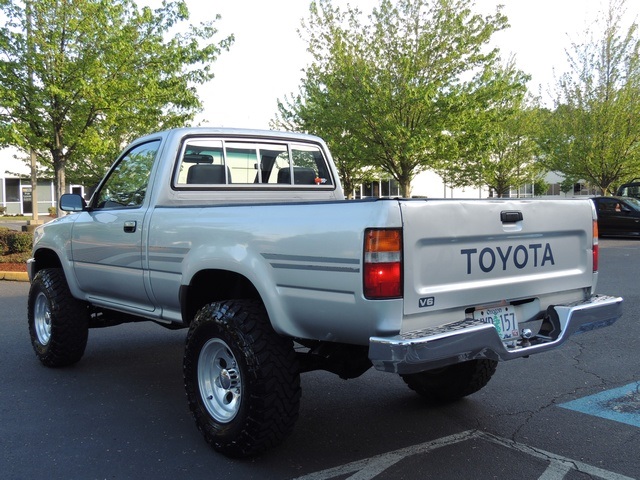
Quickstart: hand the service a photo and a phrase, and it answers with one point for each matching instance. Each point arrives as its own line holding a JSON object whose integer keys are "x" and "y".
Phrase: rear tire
{"x": 58, "y": 323}
{"x": 242, "y": 379}
{"x": 452, "y": 382}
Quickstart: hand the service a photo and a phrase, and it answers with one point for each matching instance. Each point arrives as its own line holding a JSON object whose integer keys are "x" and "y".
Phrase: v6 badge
{"x": 426, "y": 302}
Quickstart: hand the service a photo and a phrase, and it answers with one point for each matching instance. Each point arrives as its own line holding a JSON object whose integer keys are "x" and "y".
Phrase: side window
{"x": 607, "y": 206}
{"x": 127, "y": 183}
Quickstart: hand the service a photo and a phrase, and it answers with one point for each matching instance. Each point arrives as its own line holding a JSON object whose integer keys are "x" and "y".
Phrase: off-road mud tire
{"x": 453, "y": 382}
{"x": 241, "y": 378}
{"x": 58, "y": 323}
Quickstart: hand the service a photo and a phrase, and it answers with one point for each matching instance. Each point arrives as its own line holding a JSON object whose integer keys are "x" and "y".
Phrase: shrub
{"x": 52, "y": 211}
{"x": 14, "y": 242}
{"x": 20, "y": 242}
{"x": 4, "y": 244}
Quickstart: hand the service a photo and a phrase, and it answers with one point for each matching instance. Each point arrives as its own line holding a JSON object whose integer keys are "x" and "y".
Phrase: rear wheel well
{"x": 210, "y": 286}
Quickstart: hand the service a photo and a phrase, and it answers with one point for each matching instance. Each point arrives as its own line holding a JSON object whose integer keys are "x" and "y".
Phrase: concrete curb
{"x": 14, "y": 276}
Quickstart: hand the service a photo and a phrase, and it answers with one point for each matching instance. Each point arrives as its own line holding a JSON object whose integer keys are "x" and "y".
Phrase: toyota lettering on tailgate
{"x": 520, "y": 256}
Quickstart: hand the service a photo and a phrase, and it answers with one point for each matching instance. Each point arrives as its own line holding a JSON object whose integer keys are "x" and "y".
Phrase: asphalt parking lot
{"x": 573, "y": 413}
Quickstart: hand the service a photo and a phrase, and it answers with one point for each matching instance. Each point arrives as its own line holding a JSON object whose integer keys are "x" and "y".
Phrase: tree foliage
{"x": 594, "y": 132}
{"x": 407, "y": 90}
{"x": 494, "y": 144}
{"x": 81, "y": 78}
{"x": 514, "y": 159}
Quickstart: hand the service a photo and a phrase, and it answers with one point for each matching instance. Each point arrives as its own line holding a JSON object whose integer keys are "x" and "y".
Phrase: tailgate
{"x": 464, "y": 253}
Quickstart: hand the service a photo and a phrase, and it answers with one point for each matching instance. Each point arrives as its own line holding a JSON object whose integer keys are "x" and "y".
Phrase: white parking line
{"x": 555, "y": 471}
{"x": 360, "y": 465}
{"x": 568, "y": 463}
{"x": 370, "y": 468}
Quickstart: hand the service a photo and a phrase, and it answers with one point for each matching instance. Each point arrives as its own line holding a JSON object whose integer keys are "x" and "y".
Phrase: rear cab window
{"x": 205, "y": 163}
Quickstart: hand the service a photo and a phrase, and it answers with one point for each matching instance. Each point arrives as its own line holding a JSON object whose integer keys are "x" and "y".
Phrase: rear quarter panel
{"x": 304, "y": 259}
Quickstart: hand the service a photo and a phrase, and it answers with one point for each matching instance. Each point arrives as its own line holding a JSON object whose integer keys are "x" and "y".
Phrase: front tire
{"x": 58, "y": 323}
{"x": 242, "y": 378}
{"x": 453, "y": 382}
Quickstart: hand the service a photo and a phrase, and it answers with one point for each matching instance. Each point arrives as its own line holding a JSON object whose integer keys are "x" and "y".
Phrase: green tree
{"x": 323, "y": 106}
{"x": 317, "y": 116}
{"x": 81, "y": 78}
{"x": 514, "y": 160}
{"x": 494, "y": 144}
{"x": 594, "y": 132}
{"x": 401, "y": 85}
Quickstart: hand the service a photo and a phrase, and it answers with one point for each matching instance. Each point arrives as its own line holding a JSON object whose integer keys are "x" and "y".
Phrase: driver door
{"x": 107, "y": 240}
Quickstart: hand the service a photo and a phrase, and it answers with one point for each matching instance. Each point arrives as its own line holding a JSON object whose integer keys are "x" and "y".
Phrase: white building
{"x": 15, "y": 186}
{"x": 430, "y": 185}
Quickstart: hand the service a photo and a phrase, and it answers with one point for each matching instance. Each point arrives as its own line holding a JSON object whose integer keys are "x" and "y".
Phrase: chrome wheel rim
{"x": 42, "y": 319}
{"x": 219, "y": 380}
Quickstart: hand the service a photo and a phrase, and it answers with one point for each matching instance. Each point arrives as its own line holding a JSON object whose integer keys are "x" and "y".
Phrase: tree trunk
{"x": 405, "y": 187}
{"x": 59, "y": 168}
{"x": 347, "y": 187}
{"x": 34, "y": 186}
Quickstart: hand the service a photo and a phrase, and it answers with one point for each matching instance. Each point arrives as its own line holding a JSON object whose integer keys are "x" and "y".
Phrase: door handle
{"x": 511, "y": 216}
{"x": 130, "y": 226}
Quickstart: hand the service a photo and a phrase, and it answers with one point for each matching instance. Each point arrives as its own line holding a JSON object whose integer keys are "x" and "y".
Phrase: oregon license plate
{"x": 503, "y": 318}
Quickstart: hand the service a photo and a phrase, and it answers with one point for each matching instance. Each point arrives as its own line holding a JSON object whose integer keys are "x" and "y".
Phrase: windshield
{"x": 631, "y": 190}
{"x": 634, "y": 203}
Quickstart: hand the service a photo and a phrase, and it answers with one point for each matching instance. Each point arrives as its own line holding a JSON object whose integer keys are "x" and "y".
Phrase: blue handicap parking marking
{"x": 619, "y": 404}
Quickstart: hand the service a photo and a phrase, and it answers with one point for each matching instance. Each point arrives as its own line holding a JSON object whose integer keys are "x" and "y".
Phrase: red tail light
{"x": 595, "y": 246}
{"x": 382, "y": 263}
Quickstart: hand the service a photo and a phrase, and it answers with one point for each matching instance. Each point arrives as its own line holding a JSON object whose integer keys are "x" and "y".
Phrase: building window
{"x": 392, "y": 187}
{"x": 525, "y": 191}
{"x": 381, "y": 188}
{"x": 13, "y": 189}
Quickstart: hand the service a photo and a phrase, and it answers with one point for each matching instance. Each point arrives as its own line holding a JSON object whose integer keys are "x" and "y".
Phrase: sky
{"x": 266, "y": 60}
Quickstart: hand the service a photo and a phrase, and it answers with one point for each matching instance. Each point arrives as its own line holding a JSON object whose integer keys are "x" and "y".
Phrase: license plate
{"x": 503, "y": 318}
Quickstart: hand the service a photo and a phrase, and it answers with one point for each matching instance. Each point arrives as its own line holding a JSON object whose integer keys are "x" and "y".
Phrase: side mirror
{"x": 71, "y": 202}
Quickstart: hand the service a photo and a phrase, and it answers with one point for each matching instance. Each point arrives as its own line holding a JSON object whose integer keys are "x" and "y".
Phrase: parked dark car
{"x": 618, "y": 216}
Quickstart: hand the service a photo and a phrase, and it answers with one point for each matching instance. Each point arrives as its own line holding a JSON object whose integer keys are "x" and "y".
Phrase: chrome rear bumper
{"x": 468, "y": 339}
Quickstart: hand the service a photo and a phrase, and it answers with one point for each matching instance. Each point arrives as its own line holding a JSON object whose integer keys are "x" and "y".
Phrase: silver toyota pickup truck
{"x": 244, "y": 237}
